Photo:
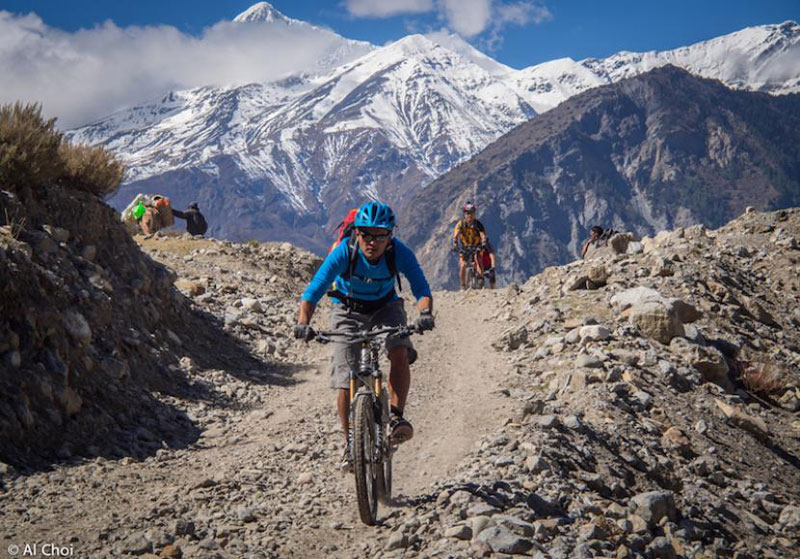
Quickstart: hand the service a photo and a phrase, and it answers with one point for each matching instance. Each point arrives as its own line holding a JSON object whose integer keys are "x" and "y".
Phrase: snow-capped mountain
{"x": 382, "y": 126}
{"x": 764, "y": 58}
{"x": 284, "y": 160}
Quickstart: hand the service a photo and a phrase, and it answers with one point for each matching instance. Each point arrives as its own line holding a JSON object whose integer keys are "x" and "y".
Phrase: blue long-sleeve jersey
{"x": 369, "y": 282}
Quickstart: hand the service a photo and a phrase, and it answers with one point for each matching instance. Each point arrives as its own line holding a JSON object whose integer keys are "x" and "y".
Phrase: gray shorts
{"x": 345, "y": 356}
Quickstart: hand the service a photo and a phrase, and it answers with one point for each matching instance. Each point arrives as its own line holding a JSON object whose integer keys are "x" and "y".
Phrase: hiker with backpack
{"x": 598, "y": 237}
{"x": 363, "y": 269}
{"x": 195, "y": 222}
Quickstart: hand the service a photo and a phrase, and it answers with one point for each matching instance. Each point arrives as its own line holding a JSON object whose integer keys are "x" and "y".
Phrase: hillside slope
{"x": 655, "y": 415}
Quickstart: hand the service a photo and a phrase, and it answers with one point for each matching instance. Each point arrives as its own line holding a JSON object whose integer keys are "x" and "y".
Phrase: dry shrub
{"x": 28, "y": 147}
{"x": 763, "y": 377}
{"x": 93, "y": 169}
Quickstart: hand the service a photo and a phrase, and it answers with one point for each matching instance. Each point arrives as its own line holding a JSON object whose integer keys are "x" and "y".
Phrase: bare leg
{"x": 343, "y": 405}
{"x": 462, "y": 273}
{"x": 399, "y": 377}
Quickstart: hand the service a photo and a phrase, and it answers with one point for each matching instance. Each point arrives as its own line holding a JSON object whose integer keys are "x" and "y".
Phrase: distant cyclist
{"x": 471, "y": 234}
{"x": 364, "y": 269}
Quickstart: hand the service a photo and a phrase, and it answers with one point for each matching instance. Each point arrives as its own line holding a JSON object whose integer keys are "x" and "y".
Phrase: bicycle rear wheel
{"x": 364, "y": 445}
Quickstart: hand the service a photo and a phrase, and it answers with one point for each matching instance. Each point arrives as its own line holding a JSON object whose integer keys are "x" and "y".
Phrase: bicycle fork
{"x": 368, "y": 370}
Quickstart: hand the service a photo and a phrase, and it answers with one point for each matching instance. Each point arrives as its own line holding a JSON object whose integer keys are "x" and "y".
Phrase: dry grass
{"x": 28, "y": 147}
{"x": 762, "y": 377}
{"x": 93, "y": 169}
{"x": 173, "y": 244}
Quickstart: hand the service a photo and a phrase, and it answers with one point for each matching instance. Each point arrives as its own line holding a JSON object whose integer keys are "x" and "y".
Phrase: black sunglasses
{"x": 377, "y": 238}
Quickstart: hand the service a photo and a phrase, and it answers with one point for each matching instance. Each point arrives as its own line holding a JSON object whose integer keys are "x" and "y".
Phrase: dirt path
{"x": 266, "y": 478}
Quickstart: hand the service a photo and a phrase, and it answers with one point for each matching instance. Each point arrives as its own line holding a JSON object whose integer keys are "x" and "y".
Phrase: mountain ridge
{"x": 659, "y": 150}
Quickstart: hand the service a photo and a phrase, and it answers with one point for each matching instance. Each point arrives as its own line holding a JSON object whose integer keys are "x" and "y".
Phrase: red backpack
{"x": 345, "y": 228}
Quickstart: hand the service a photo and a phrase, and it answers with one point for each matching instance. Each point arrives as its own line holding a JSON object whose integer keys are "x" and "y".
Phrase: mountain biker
{"x": 472, "y": 234}
{"x": 364, "y": 297}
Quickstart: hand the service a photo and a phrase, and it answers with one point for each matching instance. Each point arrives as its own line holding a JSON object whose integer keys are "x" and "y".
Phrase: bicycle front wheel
{"x": 364, "y": 447}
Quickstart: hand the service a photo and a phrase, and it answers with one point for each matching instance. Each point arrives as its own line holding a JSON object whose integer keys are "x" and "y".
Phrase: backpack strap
{"x": 391, "y": 263}
{"x": 390, "y": 255}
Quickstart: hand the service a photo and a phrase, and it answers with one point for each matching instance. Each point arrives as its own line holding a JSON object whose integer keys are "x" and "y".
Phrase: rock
{"x": 675, "y": 439}
{"x": 635, "y": 247}
{"x": 511, "y": 338}
{"x": 576, "y": 282}
{"x": 636, "y": 296}
{"x": 13, "y": 359}
{"x": 755, "y": 309}
{"x": 686, "y": 312}
{"x": 397, "y": 540}
{"x": 305, "y": 478}
{"x": 592, "y": 531}
{"x": 588, "y": 361}
{"x": 752, "y": 424}
{"x": 136, "y": 544}
{"x": 77, "y": 326}
{"x": 594, "y": 333}
{"x": 597, "y": 275}
{"x": 663, "y": 268}
{"x": 245, "y": 514}
{"x": 89, "y": 252}
{"x": 480, "y": 523}
{"x": 661, "y": 548}
{"x": 548, "y": 422}
{"x": 459, "y": 532}
{"x": 790, "y": 517}
{"x": 712, "y": 366}
{"x": 654, "y": 505}
{"x": 502, "y": 540}
{"x": 252, "y": 305}
{"x": 58, "y": 234}
{"x": 537, "y": 464}
{"x": 656, "y": 320}
{"x": 515, "y": 525}
{"x": 192, "y": 288}
{"x": 620, "y": 243}
{"x": 172, "y": 551}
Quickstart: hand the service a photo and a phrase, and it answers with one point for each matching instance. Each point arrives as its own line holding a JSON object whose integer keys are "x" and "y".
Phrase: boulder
{"x": 503, "y": 540}
{"x": 654, "y": 505}
{"x": 656, "y": 320}
{"x": 750, "y": 423}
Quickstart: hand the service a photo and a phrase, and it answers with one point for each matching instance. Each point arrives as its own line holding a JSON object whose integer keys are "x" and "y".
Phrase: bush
{"x": 762, "y": 378}
{"x": 93, "y": 169}
{"x": 28, "y": 147}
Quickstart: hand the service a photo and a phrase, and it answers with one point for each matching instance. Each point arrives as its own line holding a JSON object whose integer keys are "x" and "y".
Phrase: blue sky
{"x": 574, "y": 28}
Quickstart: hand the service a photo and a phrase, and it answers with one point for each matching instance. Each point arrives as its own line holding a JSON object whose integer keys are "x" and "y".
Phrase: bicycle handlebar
{"x": 324, "y": 336}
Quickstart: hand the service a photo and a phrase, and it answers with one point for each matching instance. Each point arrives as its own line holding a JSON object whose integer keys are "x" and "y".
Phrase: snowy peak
{"x": 263, "y": 12}
{"x": 762, "y": 58}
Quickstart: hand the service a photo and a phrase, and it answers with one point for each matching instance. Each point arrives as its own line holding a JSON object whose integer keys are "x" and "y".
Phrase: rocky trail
{"x": 263, "y": 473}
{"x": 640, "y": 403}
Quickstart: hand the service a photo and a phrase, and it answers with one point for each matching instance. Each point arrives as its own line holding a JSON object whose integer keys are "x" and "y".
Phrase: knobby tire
{"x": 363, "y": 450}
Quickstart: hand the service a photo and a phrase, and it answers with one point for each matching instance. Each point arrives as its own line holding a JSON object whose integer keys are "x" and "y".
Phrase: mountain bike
{"x": 369, "y": 418}
{"x": 474, "y": 278}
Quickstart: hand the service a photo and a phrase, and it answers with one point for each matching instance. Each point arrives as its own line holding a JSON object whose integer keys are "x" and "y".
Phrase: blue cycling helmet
{"x": 375, "y": 214}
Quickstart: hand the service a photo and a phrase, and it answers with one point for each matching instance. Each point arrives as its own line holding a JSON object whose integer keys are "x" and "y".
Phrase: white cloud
{"x": 387, "y": 8}
{"x": 522, "y": 13}
{"x": 85, "y": 75}
{"x": 467, "y": 17}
